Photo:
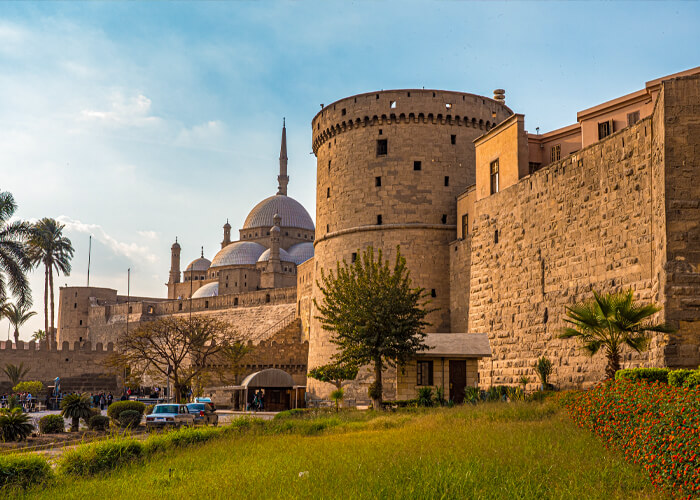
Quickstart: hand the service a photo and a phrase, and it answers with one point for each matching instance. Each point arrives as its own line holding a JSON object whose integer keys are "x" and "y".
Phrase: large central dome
{"x": 292, "y": 212}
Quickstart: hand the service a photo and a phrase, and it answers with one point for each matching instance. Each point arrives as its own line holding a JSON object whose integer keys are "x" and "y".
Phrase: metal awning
{"x": 456, "y": 345}
{"x": 272, "y": 377}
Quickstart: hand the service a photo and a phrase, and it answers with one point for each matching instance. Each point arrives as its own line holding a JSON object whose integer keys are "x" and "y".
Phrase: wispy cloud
{"x": 134, "y": 111}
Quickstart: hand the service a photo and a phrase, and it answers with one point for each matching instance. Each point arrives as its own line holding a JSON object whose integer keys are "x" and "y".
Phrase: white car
{"x": 169, "y": 415}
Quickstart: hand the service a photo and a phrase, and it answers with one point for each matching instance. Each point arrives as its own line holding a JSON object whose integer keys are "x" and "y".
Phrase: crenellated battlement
{"x": 42, "y": 346}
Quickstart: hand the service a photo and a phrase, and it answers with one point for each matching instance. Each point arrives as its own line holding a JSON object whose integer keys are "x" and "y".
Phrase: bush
{"x": 693, "y": 380}
{"x": 648, "y": 374}
{"x": 654, "y": 425}
{"x": 91, "y": 459}
{"x": 544, "y": 368}
{"x": 119, "y": 406}
{"x": 52, "y": 424}
{"x": 425, "y": 396}
{"x": 15, "y": 425}
{"x": 23, "y": 471}
{"x": 129, "y": 418}
{"x": 93, "y": 412}
{"x": 295, "y": 413}
{"x": 13, "y": 402}
{"x": 149, "y": 409}
{"x": 34, "y": 387}
{"x": 472, "y": 395}
{"x": 676, "y": 378}
{"x": 98, "y": 423}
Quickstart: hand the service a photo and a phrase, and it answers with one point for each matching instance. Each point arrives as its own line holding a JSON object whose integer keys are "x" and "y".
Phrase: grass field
{"x": 519, "y": 450}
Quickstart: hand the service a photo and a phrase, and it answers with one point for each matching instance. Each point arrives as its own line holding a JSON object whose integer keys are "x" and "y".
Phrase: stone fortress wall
{"x": 358, "y": 182}
{"x": 81, "y": 368}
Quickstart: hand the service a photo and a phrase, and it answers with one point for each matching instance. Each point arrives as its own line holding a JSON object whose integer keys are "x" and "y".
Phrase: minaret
{"x": 274, "y": 265}
{"x": 227, "y": 234}
{"x": 282, "y": 177}
{"x": 175, "y": 263}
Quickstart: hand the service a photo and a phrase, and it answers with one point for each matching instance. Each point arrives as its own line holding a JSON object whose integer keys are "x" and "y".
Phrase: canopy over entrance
{"x": 271, "y": 377}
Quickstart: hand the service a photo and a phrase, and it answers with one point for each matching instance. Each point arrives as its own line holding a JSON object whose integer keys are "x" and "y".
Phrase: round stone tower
{"x": 390, "y": 165}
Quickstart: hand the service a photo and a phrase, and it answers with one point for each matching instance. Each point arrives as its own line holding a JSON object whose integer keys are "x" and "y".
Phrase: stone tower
{"x": 174, "y": 263}
{"x": 283, "y": 179}
{"x": 390, "y": 165}
{"x": 227, "y": 234}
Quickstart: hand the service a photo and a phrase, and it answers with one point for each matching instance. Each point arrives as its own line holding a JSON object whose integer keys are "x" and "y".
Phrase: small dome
{"x": 208, "y": 290}
{"x": 238, "y": 253}
{"x": 293, "y": 214}
{"x": 201, "y": 264}
{"x": 301, "y": 252}
{"x": 284, "y": 256}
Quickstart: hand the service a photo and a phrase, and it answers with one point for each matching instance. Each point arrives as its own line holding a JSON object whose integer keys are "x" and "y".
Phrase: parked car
{"x": 169, "y": 415}
{"x": 204, "y": 413}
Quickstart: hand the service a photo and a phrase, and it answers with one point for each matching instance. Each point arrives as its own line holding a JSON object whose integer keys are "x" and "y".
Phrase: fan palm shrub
{"x": 15, "y": 372}
{"x": 49, "y": 247}
{"x": 75, "y": 407}
{"x": 15, "y": 425}
{"x": 17, "y": 316}
{"x": 544, "y": 369}
{"x": 611, "y": 321}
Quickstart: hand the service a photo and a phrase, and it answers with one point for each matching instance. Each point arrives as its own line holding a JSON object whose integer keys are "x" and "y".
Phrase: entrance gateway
{"x": 458, "y": 379}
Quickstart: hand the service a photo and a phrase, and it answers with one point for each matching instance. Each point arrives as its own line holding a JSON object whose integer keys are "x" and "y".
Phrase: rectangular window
{"x": 444, "y": 218}
{"x": 453, "y": 139}
{"x": 381, "y": 147}
{"x": 329, "y": 165}
{"x": 555, "y": 154}
{"x": 465, "y": 225}
{"x": 494, "y": 176}
{"x": 447, "y": 180}
{"x": 495, "y": 236}
{"x": 534, "y": 167}
{"x": 424, "y": 370}
{"x": 433, "y": 293}
{"x": 342, "y": 112}
{"x": 605, "y": 129}
{"x": 354, "y": 257}
{"x": 379, "y": 220}
{"x": 328, "y": 192}
{"x": 632, "y": 118}
{"x": 417, "y": 165}
{"x": 378, "y": 181}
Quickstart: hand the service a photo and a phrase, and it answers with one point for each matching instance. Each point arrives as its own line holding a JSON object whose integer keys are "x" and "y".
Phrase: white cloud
{"x": 134, "y": 111}
{"x": 151, "y": 235}
{"x": 132, "y": 251}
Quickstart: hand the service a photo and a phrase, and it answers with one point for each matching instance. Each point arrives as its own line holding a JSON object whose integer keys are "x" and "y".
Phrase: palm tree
{"x": 17, "y": 316}
{"x": 75, "y": 407}
{"x": 14, "y": 260}
{"x": 49, "y": 247}
{"x": 610, "y": 321}
{"x": 15, "y": 373}
{"x": 39, "y": 335}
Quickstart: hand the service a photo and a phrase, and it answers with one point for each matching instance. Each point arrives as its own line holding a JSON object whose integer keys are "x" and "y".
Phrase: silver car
{"x": 169, "y": 416}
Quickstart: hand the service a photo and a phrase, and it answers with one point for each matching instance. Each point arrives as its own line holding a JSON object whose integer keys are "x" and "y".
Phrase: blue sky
{"x": 139, "y": 122}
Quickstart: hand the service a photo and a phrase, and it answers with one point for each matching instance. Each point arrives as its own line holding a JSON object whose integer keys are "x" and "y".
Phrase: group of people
{"x": 102, "y": 400}
{"x": 258, "y": 402}
{"x": 26, "y": 400}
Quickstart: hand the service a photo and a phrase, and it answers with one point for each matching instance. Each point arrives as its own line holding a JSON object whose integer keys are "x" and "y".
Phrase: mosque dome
{"x": 208, "y": 290}
{"x": 292, "y": 212}
{"x": 284, "y": 256}
{"x": 238, "y": 253}
{"x": 201, "y": 264}
{"x": 301, "y": 252}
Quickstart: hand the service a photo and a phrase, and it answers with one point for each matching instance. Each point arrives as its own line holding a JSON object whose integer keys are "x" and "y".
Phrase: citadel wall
{"x": 390, "y": 165}
{"x": 589, "y": 222}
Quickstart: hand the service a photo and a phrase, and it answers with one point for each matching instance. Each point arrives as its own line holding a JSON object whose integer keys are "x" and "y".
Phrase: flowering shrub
{"x": 655, "y": 425}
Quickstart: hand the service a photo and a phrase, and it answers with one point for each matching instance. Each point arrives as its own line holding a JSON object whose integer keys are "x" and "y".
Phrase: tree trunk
{"x": 75, "y": 424}
{"x": 377, "y": 397}
{"x": 46, "y": 305}
{"x": 53, "y": 332}
{"x": 16, "y": 335}
{"x": 613, "y": 364}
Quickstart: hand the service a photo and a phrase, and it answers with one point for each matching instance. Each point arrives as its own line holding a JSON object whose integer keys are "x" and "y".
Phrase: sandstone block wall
{"x": 581, "y": 224}
{"x": 460, "y": 270}
{"x": 357, "y": 183}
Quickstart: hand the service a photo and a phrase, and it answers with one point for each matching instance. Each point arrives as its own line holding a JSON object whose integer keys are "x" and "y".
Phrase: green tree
{"x": 49, "y": 247}
{"x": 17, "y": 316}
{"x": 15, "y": 372}
{"x": 75, "y": 407}
{"x": 34, "y": 387}
{"x": 611, "y": 321}
{"x": 39, "y": 335}
{"x": 334, "y": 373}
{"x": 544, "y": 368}
{"x": 374, "y": 313}
{"x": 14, "y": 258}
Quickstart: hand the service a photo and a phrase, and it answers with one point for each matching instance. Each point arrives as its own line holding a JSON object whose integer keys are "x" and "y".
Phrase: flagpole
{"x": 89, "y": 254}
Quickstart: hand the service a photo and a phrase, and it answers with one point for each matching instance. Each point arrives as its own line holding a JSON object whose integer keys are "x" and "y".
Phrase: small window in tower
{"x": 329, "y": 165}
{"x": 433, "y": 94}
{"x": 329, "y": 144}
{"x": 206, "y": 304}
{"x": 179, "y": 306}
{"x": 245, "y": 275}
{"x": 81, "y": 322}
{"x": 75, "y": 306}
{"x": 342, "y": 112}
{"x": 495, "y": 236}
{"x": 494, "y": 176}
{"x": 380, "y": 131}
{"x": 453, "y": 139}
{"x": 393, "y": 105}
{"x": 447, "y": 180}
{"x": 465, "y": 225}
{"x": 353, "y": 257}
{"x": 267, "y": 297}
{"x": 382, "y": 147}
{"x": 131, "y": 310}
{"x": 245, "y": 284}
{"x": 235, "y": 301}
{"x": 408, "y": 94}
{"x": 433, "y": 293}
{"x": 328, "y": 192}
{"x": 80, "y": 339}
{"x": 377, "y": 96}
{"x": 378, "y": 181}
{"x": 444, "y": 218}
{"x": 379, "y": 220}
{"x": 328, "y": 228}
{"x": 417, "y": 165}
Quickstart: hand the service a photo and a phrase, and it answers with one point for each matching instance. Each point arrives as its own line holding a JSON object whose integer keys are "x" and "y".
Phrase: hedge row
{"x": 654, "y": 425}
{"x": 675, "y": 378}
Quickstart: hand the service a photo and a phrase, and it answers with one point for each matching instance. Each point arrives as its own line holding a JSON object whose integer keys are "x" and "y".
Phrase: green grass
{"x": 524, "y": 450}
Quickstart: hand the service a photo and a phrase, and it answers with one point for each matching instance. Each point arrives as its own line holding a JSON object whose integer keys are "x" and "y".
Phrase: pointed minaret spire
{"x": 282, "y": 177}
{"x": 202, "y": 256}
